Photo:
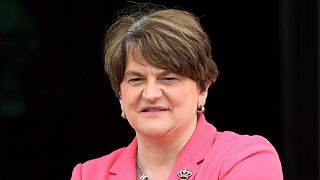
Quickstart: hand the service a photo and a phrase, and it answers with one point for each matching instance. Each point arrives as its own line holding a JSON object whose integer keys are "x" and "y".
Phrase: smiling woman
{"x": 153, "y": 99}
{"x": 160, "y": 67}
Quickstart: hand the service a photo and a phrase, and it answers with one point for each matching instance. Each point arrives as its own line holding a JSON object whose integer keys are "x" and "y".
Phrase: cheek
{"x": 128, "y": 96}
{"x": 185, "y": 96}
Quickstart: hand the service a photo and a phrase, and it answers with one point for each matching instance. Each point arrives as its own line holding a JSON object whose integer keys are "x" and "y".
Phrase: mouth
{"x": 154, "y": 109}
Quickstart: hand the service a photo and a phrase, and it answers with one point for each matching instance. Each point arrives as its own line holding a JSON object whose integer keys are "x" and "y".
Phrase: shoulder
{"x": 246, "y": 156}
{"x": 96, "y": 167}
{"x": 242, "y": 142}
{"x": 104, "y": 161}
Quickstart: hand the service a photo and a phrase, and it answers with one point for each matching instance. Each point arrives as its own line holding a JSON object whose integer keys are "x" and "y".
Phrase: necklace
{"x": 142, "y": 177}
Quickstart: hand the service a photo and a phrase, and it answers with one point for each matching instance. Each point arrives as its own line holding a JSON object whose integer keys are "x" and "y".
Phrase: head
{"x": 169, "y": 39}
{"x": 160, "y": 67}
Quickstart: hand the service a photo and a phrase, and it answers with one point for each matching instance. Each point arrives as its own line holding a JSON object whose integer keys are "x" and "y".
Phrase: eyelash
{"x": 134, "y": 80}
{"x": 166, "y": 79}
{"x": 169, "y": 78}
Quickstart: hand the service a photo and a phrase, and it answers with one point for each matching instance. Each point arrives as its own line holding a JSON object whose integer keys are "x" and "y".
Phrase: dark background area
{"x": 57, "y": 108}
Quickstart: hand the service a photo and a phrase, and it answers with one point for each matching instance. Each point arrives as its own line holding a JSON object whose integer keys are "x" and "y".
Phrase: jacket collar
{"x": 125, "y": 166}
{"x": 196, "y": 148}
{"x": 191, "y": 155}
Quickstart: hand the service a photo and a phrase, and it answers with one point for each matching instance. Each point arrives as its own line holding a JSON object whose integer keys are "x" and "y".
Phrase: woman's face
{"x": 157, "y": 102}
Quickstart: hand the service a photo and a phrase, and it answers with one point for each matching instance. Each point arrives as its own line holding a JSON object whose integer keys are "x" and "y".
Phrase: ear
{"x": 120, "y": 101}
{"x": 202, "y": 97}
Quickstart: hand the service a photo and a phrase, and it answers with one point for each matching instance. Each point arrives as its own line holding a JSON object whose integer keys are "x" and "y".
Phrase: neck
{"x": 159, "y": 155}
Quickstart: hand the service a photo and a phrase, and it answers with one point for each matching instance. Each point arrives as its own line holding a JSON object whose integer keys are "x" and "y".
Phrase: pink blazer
{"x": 209, "y": 155}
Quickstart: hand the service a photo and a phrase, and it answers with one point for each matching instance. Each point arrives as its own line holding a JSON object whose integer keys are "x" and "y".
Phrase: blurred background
{"x": 57, "y": 108}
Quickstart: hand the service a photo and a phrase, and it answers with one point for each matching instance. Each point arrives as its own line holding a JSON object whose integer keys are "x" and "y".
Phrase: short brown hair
{"x": 170, "y": 39}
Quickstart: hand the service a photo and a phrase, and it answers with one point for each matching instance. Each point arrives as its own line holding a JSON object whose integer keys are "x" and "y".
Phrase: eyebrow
{"x": 132, "y": 73}
{"x": 136, "y": 73}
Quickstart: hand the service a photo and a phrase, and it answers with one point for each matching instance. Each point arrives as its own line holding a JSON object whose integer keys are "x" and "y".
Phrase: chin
{"x": 156, "y": 132}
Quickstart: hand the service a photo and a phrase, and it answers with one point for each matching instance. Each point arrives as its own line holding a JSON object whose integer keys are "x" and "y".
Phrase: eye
{"x": 135, "y": 81}
{"x": 168, "y": 79}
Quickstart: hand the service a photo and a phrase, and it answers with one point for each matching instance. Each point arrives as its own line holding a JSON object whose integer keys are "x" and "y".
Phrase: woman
{"x": 160, "y": 66}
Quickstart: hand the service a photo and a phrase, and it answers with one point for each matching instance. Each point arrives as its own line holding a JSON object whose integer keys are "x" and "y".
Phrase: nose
{"x": 152, "y": 91}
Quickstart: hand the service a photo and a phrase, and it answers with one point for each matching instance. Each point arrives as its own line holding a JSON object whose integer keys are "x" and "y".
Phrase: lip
{"x": 153, "y": 109}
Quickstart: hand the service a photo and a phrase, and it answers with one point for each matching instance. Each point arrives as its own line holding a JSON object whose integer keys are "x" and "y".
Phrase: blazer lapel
{"x": 125, "y": 166}
{"x": 196, "y": 149}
